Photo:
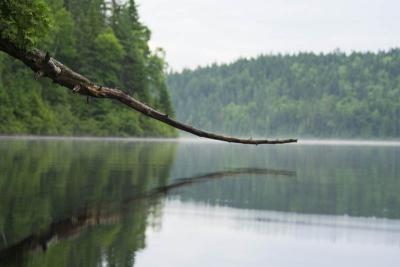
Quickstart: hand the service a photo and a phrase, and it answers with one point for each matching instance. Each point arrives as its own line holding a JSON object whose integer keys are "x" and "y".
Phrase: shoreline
{"x": 327, "y": 142}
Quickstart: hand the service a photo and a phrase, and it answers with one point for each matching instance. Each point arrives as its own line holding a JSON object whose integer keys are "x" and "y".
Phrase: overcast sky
{"x": 200, "y": 32}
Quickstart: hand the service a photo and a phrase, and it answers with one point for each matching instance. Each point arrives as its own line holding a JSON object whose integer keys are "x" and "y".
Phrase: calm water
{"x": 154, "y": 203}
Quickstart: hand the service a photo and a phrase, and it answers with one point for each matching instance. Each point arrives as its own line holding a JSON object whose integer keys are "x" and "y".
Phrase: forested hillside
{"x": 104, "y": 41}
{"x": 333, "y": 95}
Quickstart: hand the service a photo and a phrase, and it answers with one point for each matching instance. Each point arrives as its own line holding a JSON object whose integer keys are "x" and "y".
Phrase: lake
{"x": 133, "y": 202}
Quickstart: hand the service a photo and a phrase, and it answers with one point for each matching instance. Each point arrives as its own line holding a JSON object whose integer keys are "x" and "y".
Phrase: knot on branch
{"x": 76, "y": 88}
{"x": 54, "y": 68}
{"x": 50, "y": 65}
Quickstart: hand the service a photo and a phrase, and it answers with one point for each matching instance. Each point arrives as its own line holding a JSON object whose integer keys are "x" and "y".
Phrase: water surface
{"x": 129, "y": 202}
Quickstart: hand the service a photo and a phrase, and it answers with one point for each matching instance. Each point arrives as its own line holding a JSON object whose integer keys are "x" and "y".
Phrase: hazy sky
{"x": 199, "y": 32}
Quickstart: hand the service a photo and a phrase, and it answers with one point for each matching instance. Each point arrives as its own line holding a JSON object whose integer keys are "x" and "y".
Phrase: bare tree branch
{"x": 44, "y": 65}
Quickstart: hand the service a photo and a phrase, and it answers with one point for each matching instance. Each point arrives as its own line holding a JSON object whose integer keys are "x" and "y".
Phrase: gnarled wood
{"x": 44, "y": 65}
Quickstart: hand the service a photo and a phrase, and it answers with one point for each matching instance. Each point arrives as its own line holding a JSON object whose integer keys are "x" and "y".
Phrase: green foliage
{"x": 61, "y": 41}
{"x": 24, "y": 22}
{"x": 107, "y": 66}
{"x": 303, "y": 95}
{"x": 109, "y": 45}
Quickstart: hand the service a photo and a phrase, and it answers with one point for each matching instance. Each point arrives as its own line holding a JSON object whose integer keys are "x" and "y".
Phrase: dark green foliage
{"x": 106, "y": 43}
{"x": 24, "y": 21}
{"x": 303, "y": 95}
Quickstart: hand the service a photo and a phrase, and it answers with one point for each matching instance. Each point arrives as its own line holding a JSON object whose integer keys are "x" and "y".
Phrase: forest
{"x": 105, "y": 41}
{"x": 332, "y": 95}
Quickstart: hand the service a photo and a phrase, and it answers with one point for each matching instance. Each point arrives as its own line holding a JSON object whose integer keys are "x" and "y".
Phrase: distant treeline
{"x": 340, "y": 95}
{"x": 106, "y": 42}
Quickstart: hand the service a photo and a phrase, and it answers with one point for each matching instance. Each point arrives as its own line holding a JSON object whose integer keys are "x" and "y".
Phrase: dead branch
{"x": 43, "y": 64}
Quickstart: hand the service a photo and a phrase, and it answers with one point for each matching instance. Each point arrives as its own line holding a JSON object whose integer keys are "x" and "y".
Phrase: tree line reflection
{"x": 92, "y": 201}
{"x": 88, "y": 203}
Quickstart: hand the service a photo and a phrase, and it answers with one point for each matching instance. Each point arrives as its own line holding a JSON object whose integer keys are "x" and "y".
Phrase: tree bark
{"x": 44, "y": 65}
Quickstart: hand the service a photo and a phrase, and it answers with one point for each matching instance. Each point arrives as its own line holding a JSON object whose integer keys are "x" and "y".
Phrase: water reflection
{"x": 43, "y": 182}
{"x": 102, "y": 212}
{"x": 213, "y": 175}
{"x": 103, "y": 203}
{"x": 203, "y": 235}
{"x": 353, "y": 180}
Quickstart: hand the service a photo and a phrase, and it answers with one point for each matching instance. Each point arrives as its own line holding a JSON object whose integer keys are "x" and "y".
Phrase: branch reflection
{"x": 105, "y": 213}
